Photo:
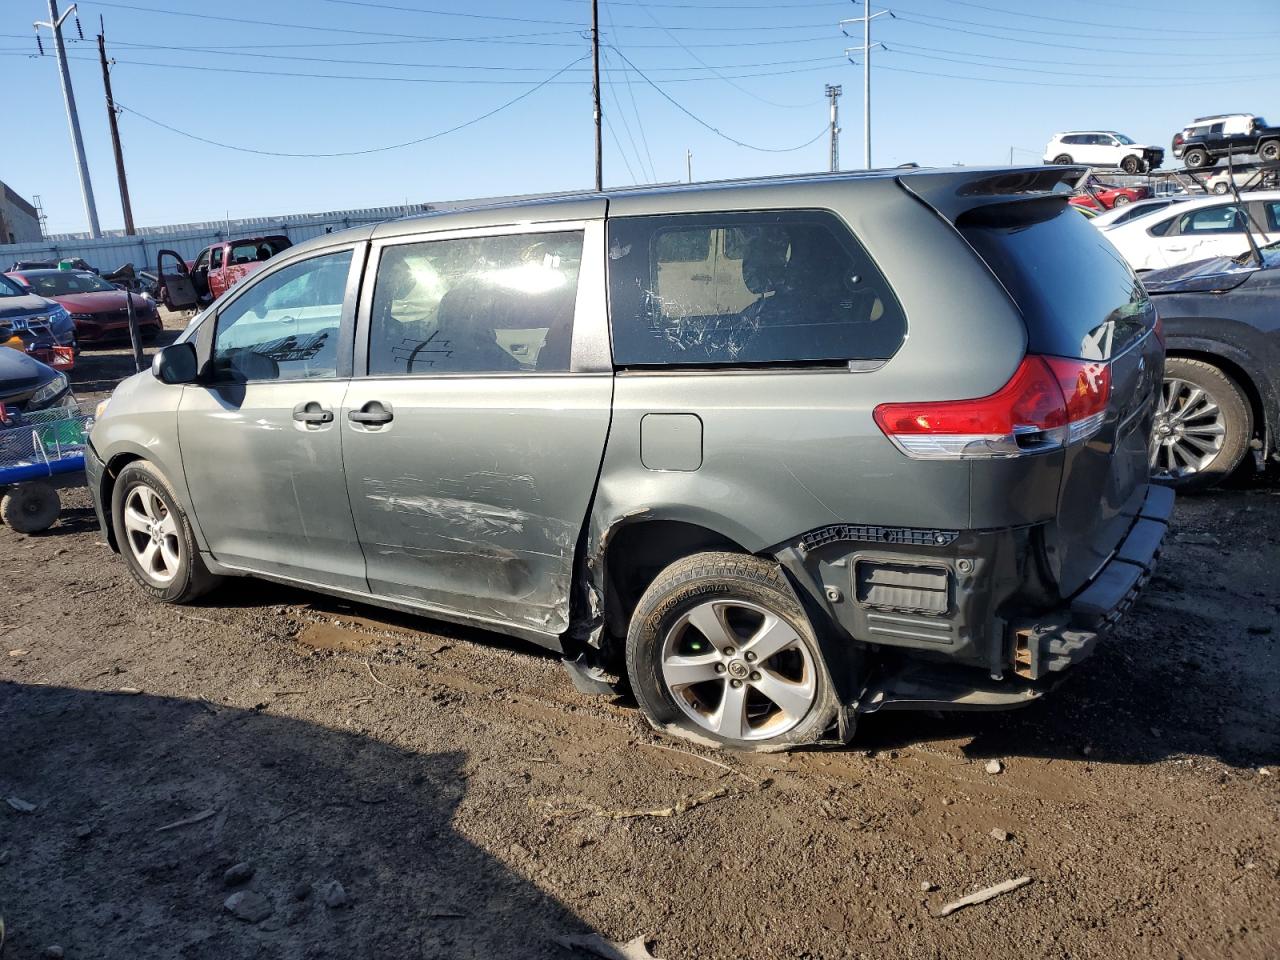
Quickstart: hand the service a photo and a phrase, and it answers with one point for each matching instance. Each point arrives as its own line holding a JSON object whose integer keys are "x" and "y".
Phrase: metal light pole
{"x": 595, "y": 90}
{"x": 73, "y": 119}
{"x": 833, "y": 94}
{"x": 865, "y": 49}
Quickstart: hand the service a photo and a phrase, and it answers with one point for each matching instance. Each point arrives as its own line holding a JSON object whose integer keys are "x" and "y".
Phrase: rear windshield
{"x": 1076, "y": 292}
{"x": 733, "y": 289}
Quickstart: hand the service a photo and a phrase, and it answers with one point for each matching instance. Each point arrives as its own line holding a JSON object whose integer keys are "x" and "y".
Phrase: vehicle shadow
{"x": 142, "y": 803}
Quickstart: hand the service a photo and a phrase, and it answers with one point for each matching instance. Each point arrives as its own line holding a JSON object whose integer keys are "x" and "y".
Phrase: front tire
{"x": 720, "y": 650}
{"x": 1220, "y": 188}
{"x": 1131, "y": 164}
{"x": 1203, "y": 426}
{"x": 1121, "y": 200}
{"x": 1270, "y": 151}
{"x": 1063, "y": 158}
{"x": 155, "y": 536}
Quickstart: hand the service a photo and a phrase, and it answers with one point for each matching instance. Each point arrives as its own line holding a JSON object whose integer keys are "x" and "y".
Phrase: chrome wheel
{"x": 1189, "y": 431}
{"x": 152, "y": 532}
{"x": 738, "y": 670}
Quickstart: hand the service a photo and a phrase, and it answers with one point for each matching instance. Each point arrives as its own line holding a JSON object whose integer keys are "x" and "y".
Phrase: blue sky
{"x": 962, "y": 81}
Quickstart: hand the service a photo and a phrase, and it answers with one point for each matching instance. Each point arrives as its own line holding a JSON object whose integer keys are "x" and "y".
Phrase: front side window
{"x": 768, "y": 288}
{"x": 285, "y": 326}
{"x": 1272, "y": 209}
{"x": 215, "y": 258}
{"x": 475, "y": 305}
{"x": 10, "y": 288}
{"x": 1212, "y": 220}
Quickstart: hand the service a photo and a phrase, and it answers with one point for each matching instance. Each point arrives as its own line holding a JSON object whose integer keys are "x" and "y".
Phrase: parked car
{"x": 1206, "y": 140}
{"x": 35, "y": 320}
{"x": 27, "y": 385}
{"x": 1125, "y": 212}
{"x": 220, "y": 266}
{"x": 97, "y": 308}
{"x": 681, "y": 433}
{"x": 1198, "y": 229}
{"x": 1107, "y": 197}
{"x": 71, "y": 263}
{"x": 1221, "y": 397}
{"x": 1102, "y": 148}
{"x": 1263, "y": 177}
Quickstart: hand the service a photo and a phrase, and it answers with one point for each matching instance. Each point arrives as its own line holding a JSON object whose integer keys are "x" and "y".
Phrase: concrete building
{"x": 19, "y": 220}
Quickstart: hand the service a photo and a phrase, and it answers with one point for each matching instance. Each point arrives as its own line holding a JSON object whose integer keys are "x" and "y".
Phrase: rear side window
{"x": 775, "y": 287}
{"x": 1212, "y": 220}
{"x": 1077, "y": 294}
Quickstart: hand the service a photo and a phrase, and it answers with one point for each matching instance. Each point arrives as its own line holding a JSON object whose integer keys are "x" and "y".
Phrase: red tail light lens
{"x": 1048, "y": 403}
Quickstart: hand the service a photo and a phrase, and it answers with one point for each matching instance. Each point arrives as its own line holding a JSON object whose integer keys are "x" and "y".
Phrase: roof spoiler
{"x": 954, "y": 194}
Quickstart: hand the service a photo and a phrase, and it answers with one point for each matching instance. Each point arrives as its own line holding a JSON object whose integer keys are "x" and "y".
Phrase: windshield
{"x": 1122, "y": 138}
{"x": 9, "y": 288}
{"x": 64, "y": 282}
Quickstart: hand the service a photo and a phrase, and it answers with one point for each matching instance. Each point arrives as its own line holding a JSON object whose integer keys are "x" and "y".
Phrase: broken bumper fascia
{"x": 1049, "y": 645}
{"x": 94, "y": 468}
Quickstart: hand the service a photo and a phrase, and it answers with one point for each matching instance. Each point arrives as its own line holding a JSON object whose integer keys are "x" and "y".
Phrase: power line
{"x": 899, "y": 46}
{"x": 635, "y": 108}
{"x": 356, "y": 153}
{"x": 1059, "y": 73}
{"x": 626, "y": 124}
{"x": 1145, "y": 29}
{"x": 1159, "y": 84}
{"x": 698, "y": 120}
{"x": 625, "y": 162}
{"x": 1057, "y": 33}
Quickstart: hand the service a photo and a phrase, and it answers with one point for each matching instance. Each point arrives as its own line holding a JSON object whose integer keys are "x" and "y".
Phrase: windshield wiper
{"x": 1253, "y": 250}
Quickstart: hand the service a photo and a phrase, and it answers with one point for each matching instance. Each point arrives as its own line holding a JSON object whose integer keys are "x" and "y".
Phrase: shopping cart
{"x": 40, "y": 452}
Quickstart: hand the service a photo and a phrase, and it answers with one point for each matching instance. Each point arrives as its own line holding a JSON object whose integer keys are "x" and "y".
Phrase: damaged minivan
{"x": 770, "y": 453}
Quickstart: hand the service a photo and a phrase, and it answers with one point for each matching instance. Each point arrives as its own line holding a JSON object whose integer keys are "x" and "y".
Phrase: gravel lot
{"x": 403, "y": 789}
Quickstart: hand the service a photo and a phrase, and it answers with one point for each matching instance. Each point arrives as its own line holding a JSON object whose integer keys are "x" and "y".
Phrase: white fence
{"x": 115, "y": 249}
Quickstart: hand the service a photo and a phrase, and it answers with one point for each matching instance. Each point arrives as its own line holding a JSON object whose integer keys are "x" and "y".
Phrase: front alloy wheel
{"x": 152, "y": 534}
{"x": 1202, "y": 426}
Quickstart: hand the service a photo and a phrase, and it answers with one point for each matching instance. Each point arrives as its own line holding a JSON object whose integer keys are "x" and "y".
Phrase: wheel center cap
{"x": 737, "y": 669}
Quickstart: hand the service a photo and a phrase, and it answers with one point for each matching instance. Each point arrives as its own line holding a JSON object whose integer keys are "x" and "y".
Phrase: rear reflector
{"x": 1049, "y": 402}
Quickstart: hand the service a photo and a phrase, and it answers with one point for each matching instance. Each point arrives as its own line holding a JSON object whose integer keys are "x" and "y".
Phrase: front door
{"x": 260, "y": 434}
{"x": 473, "y": 443}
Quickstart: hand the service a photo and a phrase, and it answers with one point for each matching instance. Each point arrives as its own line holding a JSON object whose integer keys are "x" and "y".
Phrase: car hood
{"x": 20, "y": 373}
{"x": 24, "y": 306}
{"x": 100, "y": 301}
{"x": 1216, "y": 275}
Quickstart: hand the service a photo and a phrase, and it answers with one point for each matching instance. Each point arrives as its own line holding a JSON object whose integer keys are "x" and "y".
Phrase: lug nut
{"x": 751, "y": 657}
{"x": 735, "y": 684}
{"x": 719, "y": 668}
{"x": 755, "y": 674}
{"x": 728, "y": 651}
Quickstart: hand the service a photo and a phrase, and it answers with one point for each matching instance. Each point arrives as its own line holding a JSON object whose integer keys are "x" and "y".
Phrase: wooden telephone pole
{"x": 125, "y": 206}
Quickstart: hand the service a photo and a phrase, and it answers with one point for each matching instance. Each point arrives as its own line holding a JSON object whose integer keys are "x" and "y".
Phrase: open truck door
{"x": 177, "y": 291}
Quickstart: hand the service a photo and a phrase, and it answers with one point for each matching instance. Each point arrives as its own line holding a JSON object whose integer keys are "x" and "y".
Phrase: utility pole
{"x": 865, "y": 49}
{"x": 833, "y": 94}
{"x": 73, "y": 119}
{"x": 595, "y": 89}
{"x": 125, "y": 206}
{"x": 688, "y": 165}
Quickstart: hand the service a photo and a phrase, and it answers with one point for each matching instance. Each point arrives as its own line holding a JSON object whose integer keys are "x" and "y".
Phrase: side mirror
{"x": 176, "y": 363}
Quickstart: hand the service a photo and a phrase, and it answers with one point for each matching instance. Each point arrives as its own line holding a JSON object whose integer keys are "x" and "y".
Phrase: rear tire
{"x": 1220, "y": 188}
{"x": 1131, "y": 164}
{"x": 155, "y": 536}
{"x": 30, "y": 507}
{"x": 1203, "y": 426}
{"x": 720, "y": 651}
{"x": 1197, "y": 158}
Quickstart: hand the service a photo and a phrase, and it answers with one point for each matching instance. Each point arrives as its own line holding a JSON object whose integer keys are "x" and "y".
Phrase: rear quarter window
{"x": 1078, "y": 296}
{"x": 741, "y": 289}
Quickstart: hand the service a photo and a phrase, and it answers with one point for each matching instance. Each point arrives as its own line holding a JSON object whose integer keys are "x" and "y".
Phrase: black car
{"x": 33, "y": 319}
{"x": 1221, "y": 398}
{"x": 27, "y": 385}
{"x": 1208, "y": 139}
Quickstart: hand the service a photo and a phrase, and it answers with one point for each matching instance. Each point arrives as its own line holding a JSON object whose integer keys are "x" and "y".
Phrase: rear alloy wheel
{"x": 1195, "y": 158}
{"x": 155, "y": 537}
{"x": 1270, "y": 151}
{"x": 1131, "y": 164}
{"x": 1121, "y": 200}
{"x": 1220, "y": 188}
{"x": 1063, "y": 159}
{"x": 1202, "y": 426}
{"x": 720, "y": 650}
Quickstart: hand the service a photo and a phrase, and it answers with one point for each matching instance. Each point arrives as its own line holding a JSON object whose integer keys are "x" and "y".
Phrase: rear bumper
{"x": 1051, "y": 644}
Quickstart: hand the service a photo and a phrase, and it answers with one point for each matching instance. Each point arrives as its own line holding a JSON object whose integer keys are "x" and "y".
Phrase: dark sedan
{"x": 97, "y": 307}
{"x": 1221, "y": 398}
{"x": 27, "y": 385}
{"x": 33, "y": 319}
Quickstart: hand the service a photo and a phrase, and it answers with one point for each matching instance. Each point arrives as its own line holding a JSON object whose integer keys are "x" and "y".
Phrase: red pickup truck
{"x": 216, "y": 268}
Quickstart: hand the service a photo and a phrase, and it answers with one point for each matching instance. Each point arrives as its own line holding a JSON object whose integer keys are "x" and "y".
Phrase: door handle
{"x": 372, "y": 414}
{"x": 312, "y": 412}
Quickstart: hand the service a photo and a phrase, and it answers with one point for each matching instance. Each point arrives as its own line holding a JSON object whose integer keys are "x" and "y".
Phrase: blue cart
{"x": 40, "y": 453}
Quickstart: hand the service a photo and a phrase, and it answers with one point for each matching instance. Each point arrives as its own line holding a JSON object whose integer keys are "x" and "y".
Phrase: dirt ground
{"x": 399, "y": 788}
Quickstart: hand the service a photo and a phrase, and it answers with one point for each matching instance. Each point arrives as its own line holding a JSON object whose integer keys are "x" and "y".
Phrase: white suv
{"x": 1102, "y": 148}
